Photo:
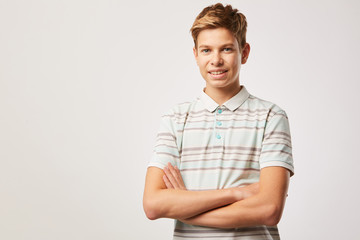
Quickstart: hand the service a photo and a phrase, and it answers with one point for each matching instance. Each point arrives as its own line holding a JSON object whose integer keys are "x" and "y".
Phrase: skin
{"x": 173, "y": 180}
{"x": 178, "y": 203}
{"x": 218, "y": 50}
{"x": 166, "y": 196}
{"x": 262, "y": 202}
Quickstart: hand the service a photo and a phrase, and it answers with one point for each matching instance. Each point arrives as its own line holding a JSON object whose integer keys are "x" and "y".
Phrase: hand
{"x": 246, "y": 192}
{"x": 250, "y": 190}
{"x": 172, "y": 178}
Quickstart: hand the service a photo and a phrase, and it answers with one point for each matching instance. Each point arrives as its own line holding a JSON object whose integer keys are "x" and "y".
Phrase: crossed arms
{"x": 262, "y": 203}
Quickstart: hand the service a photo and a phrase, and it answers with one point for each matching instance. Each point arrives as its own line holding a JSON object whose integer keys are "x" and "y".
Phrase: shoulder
{"x": 181, "y": 110}
{"x": 175, "y": 118}
{"x": 260, "y": 105}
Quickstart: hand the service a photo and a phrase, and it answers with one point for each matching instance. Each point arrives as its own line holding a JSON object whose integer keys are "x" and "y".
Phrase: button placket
{"x": 218, "y": 123}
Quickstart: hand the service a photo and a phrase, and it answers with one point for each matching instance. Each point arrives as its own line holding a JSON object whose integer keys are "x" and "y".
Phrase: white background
{"x": 83, "y": 85}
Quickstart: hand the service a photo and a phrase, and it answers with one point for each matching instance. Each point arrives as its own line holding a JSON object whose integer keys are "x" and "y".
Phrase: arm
{"x": 264, "y": 208}
{"x": 177, "y": 202}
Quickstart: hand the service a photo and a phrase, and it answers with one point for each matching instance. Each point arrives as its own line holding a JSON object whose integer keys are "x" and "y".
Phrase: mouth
{"x": 218, "y": 74}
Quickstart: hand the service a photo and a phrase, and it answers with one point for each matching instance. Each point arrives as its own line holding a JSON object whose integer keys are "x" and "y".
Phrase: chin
{"x": 217, "y": 83}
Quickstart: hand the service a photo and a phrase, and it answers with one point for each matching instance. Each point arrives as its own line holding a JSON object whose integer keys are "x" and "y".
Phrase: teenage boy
{"x": 221, "y": 163}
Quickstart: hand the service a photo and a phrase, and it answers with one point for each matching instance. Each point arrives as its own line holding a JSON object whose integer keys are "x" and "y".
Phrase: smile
{"x": 218, "y": 72}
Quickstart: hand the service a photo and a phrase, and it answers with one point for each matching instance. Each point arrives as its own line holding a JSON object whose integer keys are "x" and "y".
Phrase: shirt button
{"x": 219, "y": 123}
{"x": 218, "y": 136}
{"x": 219, "y": 110}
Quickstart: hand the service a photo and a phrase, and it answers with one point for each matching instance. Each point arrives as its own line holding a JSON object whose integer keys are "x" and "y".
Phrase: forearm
{"x": 249, "y": 212}
{"x": 263, "y": 208}
{"x": 181, "y": 204}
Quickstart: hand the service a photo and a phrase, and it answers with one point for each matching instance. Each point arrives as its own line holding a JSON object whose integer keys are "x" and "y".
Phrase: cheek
{"x": 202, "y": 64}
{"x": 234, "y": 63}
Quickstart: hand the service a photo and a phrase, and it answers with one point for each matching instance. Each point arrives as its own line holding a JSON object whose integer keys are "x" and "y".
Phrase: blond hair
{"x": 217, "y": 16}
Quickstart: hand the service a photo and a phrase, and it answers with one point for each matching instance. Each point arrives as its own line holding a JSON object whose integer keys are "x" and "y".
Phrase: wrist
{"x": 237, "y": 194}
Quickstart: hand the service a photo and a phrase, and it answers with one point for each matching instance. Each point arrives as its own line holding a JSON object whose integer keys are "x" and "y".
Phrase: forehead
{"x": 216, "y": 37}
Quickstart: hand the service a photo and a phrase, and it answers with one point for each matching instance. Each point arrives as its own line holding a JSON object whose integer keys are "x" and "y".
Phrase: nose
{"x": 216, "y": 59}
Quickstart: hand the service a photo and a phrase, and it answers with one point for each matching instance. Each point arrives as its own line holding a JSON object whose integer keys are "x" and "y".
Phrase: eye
{"x": 205, "y": 50}
{"x": 228, "y": 49}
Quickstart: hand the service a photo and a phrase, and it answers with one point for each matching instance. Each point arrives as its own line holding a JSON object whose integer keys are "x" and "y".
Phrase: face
{"x": 219, "y": 59}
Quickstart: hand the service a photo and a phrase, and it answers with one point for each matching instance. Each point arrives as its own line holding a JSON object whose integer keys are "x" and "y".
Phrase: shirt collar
{"x": 232, "y": 104}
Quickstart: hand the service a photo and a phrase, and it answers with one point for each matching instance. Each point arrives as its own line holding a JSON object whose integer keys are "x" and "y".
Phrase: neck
{"x": 221, "y": 95}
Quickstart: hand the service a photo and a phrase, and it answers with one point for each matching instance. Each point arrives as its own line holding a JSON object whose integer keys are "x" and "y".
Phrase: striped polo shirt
{"x": 223, "y": 146}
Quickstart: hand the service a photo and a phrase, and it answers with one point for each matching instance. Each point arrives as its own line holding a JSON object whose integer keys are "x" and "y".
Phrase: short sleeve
{"x": 276, "y": 147}
{"x": 166, "y": 149}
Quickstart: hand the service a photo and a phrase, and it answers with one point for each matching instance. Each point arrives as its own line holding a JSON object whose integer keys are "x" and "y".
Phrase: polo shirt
{"x": 225, "y": 146}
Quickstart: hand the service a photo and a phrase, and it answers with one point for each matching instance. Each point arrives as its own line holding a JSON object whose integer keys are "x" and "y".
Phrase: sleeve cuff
{"x": 277, "y": 163}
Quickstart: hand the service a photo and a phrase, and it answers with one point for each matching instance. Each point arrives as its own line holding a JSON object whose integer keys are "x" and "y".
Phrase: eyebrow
{"x": 222, "y": 46}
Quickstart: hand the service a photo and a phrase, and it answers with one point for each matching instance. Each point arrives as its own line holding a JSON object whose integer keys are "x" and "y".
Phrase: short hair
{"x": 217, "y": 16}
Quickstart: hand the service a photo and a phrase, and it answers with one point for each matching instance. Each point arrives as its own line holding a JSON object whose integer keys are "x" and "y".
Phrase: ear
{"x": 245, "y": 53}
{"x": 195, "y": 53}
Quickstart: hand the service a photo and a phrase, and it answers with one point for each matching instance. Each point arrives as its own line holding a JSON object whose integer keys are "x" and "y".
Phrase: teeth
{"x": 217, "y": 73}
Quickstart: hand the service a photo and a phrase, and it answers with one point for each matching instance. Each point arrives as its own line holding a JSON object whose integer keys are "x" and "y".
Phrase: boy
{"x": 222, "y": 163}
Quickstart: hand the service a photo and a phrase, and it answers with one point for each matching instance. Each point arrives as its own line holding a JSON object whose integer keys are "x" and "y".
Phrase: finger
{"x": 181, "y": 181}
{"x": 167, "y": 182}
{"x": 174, "y": 171}
{"x": 170, "y": 177}
{"x": 175, "y": 176}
